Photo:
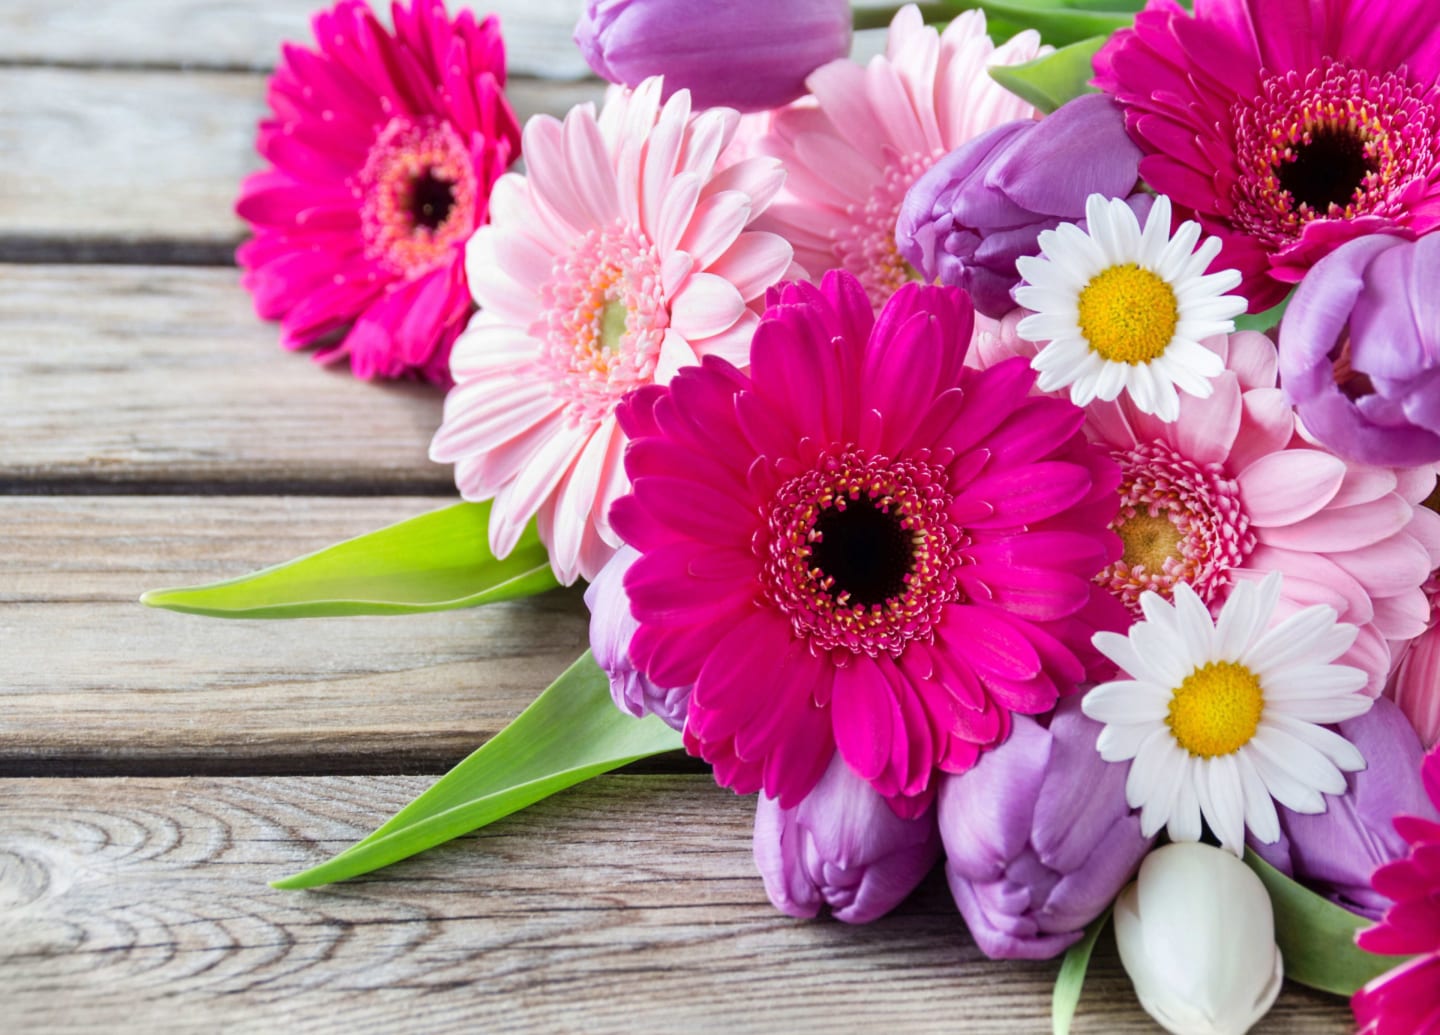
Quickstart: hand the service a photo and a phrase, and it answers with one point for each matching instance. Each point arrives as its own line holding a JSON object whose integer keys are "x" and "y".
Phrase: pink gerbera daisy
{"x": 622, "y": 256}
{"x": 1287, "y": 126}
{"x": 1406, "y": 1001}
{"x": 383, "y": 150}
{"x": 870, "y": 132}
{"x": 862, "y": 545}
{"x": 1231, "y": 491}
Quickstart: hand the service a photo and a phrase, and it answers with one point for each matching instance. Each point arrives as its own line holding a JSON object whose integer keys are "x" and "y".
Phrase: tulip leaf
{"x": 1266, "y": 321}
{"x": 1050, "y": 81}
{"x": 572, "y": 732}
{"x": 1059, "y": 22}
{"x": 434, "y": 562}
{"x": 1071, "y": 980}
{"x": 1316, "y": 937}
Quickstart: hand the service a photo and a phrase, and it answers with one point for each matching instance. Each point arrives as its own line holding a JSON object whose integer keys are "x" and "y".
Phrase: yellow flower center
{"x": 614, "y": 320}
{"x": 1128, "y": 314}
{"x": 1216, "y": 710}
{"x": 1150, "y": 540}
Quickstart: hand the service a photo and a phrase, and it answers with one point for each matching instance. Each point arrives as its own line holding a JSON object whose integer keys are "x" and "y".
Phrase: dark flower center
{"x": 865, "y": 550}
{"x": 1327, "y": 169}
{"x": 431, "y": 198}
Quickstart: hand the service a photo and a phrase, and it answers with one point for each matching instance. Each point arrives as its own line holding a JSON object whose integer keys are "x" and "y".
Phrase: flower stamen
{"x": 1216, "y": 709}
{"x": 1128, "y": 314}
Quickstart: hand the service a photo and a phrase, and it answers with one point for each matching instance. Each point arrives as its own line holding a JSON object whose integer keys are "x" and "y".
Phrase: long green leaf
{"x": 1266, "y": 321}
{"x": 572, "y": 732}
{"x": 1316, "y": 937}
{"x": 434, "y": 562}
{"x": 1059, "y": 22}
{"x": 1071, "y": 979}
{"x": 1050, "y": 81}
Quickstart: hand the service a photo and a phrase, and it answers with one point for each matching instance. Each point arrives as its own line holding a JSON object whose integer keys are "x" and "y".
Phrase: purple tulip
{"x": 842, "y": 847}
{"x": 745, "y": 54}
{"x": 1336, "y": 851}
{"x": 981, "y": 207}
{"x": 1038, "y": 837}
{"x": 1360, "y": 350}
{"x": 611, "y": 627}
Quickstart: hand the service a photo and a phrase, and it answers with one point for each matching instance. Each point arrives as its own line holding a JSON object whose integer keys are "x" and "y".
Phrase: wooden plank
{"x": 144, "y": 158}
{"x": 93, "y": 683}
{"x": 190, "y": 34}
{"x": 164, "y": 377}
{"x": 628, "y": 905}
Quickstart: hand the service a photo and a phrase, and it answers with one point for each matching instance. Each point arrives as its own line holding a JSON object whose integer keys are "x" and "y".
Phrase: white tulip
{"x": 1196, "y": 934}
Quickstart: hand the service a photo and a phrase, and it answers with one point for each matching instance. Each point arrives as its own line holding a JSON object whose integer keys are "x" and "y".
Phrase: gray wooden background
{"x": 156, "y": 770}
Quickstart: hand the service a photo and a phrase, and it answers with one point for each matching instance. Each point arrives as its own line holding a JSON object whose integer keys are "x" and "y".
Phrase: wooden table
{"x": 159, "y": 769}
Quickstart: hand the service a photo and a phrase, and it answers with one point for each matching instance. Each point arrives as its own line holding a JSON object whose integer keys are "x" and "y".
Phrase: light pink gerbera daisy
{"x": 1287, "y": 126}
{"x": 622, "y": 256}
{"x": 853, "y": 151}
{"x": 863, "y": 545}
{"x": 1406, "y": 1001}
{"x": 1415, "y": 683}
{"x": 1230, "y": 491}
{"x": 383, "y": 148}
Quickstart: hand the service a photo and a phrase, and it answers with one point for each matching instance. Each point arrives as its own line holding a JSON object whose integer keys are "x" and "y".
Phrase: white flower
{"x": 1126, "y": 310}
{"x": 1196, "y": 934}
{"x": 1222, "y": 716}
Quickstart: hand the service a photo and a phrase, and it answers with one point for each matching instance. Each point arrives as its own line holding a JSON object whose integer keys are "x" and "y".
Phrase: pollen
{"x": 1216, "y": 710}
{"x": 1128, "y": 314}
{"x": 1150, "y": 540}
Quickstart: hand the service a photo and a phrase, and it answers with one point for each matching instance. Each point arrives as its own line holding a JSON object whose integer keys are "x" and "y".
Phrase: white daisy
{"x": 1126, "y": 310}
{"x": 1222, "y": 716}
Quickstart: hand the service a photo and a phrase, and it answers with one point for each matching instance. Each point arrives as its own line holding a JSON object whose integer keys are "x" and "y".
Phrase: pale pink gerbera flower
{"x": 870, "y": 132}
{"x": 622, "y": 256}
{"x": 383, "y": 147}
{"x": 1231, "y": 491}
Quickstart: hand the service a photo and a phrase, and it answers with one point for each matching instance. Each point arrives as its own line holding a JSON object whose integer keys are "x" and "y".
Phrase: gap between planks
{"x": 629, "y": 904}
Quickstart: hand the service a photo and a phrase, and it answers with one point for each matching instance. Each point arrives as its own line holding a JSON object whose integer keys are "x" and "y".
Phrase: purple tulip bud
{"x": 1336, "y": 851}
{"x": 1360, "y": 350}
{"x": 981, "y": 207}
{"x": 745, "y": 54}
{"x": 842, "y": 846}
{"x": 1038, "y": 837}
{"x": 611, "y": 627}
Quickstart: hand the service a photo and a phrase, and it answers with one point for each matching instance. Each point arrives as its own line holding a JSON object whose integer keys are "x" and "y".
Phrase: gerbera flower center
{"x": 1180, "y": 522}
{"x": 1128, "y": 314}
{"x": 417, "y": 195}
{"x": 1334, "y": 143}
{"x": 866, "y": 244}
{"x": 604, "y": 322}
{"x": 1216, "y": 710}
{"x": 861, "y": 552}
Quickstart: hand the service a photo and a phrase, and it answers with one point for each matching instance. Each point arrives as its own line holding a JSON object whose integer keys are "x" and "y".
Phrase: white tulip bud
{"x": 1196, "y": 934}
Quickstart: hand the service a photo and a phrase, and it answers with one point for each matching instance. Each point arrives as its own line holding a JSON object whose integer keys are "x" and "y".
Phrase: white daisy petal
{"x": 1185, "y": 811}
{"x": 1227, "y": 803}
{"x": 1260, "y": 814}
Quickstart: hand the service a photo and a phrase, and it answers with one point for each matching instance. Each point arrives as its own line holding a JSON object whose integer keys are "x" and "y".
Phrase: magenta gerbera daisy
{"x": 383, "y": 149}
{"x": 863, "y": 545}
{"x": 1406, "y": 1001}
{"x": 1287, "y": 127}
{"x": 871, "y": 131}
{"x": 623, "y": 255}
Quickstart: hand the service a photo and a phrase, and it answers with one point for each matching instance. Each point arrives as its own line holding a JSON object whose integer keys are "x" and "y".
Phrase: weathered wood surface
{"x": 91, "y": 682}
{"x": 628, "y": 905}
{"x": 92, "y": 159}
{"x": 163, "y": 377}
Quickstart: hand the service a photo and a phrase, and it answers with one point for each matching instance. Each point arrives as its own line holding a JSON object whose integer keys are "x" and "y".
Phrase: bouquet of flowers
{"x": 1022, "y": 455}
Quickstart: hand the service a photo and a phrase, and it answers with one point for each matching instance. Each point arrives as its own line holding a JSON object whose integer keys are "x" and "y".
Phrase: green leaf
{"x": 434, "y": 562}
{"x": 572, "y": 732}
{"x": 1059, "y": 22}
{"x": 1266, "y": 321}
{"x": 1071, "y": 979}
{"x": 1050, "y": 81}
{"x": 1317, "y": 937}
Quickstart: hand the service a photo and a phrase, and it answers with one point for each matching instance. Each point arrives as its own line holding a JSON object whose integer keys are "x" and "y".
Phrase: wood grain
{"x": 141, "y": 158}
{"x": 162, "y": 377}
{"x": 92, "y": 682}
{"x": 214, "y": 34}
{"x": 628, "y": 905}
